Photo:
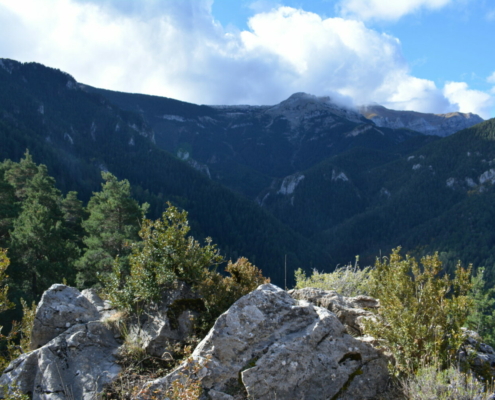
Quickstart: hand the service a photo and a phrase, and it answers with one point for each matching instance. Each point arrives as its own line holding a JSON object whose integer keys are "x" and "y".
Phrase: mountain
{"x": 252, "y": 148}
{"x": 429, "y": 124}
{"x": 78, "y": 134}
{"x": 334, "y": 176}
{"x": 308, "y": 177}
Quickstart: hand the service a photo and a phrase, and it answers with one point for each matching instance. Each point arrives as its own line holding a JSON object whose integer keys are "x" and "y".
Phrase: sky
{"x": 423, "y": 55}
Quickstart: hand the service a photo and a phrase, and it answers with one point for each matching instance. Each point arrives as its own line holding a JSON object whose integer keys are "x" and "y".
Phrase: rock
{"x": 429, "y": 124}
{"x": 479, "y": 356}
{"x": 167, "y": 322}
{"x": 269, "y": 345}
{"x": 349, "y": 310}
{"x": 104, "y": 307}
{"x": 60, "y": 308}
{"x": 77, "y": 364}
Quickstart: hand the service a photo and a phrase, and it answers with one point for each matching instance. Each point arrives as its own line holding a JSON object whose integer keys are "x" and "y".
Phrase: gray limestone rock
{"x": 104, "y": 307}
{"x": 60, "y": 308}
{"x": 351, "y": 311}
{"x": 269, "y": 345}
{"x": 77, "y": 364}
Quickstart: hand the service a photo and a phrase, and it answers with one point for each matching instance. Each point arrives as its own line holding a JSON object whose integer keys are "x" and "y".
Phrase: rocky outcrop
{"x": 60, "y": 308}
{"x": 351, "y": 311}
{"x": 267, "y": 345}
{"x": 429, "y": 124}
{"x": 270, "y": 345}
{"x": 77, "y": 364}
{"x": 75, "y": 350}
{"x": 479, "y": 356}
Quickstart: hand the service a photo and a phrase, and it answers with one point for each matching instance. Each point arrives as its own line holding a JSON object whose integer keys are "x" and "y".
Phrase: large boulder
{"x": 77, "y": 364}
{"x": 351, "y": 311}
{"x": 270, "y": 345}
{"x": 60, "y": 308}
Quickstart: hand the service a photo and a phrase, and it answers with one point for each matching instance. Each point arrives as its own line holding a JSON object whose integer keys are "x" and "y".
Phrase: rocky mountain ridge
{"x": 429, "y": 124}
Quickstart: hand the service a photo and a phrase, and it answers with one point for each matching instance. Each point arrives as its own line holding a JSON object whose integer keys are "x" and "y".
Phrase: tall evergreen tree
{"x": 113, "y": 223}
{"x": 20, "y": 174}
{"x": 41, "y": 250}
{"x": 74, "y": 215}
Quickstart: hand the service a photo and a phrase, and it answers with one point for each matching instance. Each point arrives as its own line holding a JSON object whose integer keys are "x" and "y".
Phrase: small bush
{"x": 421, "y": 312}
{"x": 219, "y": 292}
{"x": 431, "y": 383}
{"x": 166, "y": 255}
{"x": 347, "y": 281}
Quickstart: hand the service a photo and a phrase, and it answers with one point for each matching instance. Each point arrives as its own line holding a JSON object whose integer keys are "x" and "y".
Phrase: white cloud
{"x": 387, "y": 9}
{"x": 177, "y": 49}
{"x": 469, "y": 100}
{"x": 491, "y": 78}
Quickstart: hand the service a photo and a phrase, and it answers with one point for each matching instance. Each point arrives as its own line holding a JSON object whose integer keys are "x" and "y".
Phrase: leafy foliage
{"x": 42, "y": 251}
{"x": 421, "y": 313}
{"x": 166, "y": 255}
{"x": 434, "y": 383}
{"x": 5, "y": 304}
{"x": 220, "y": 292}
{"x": 18, "y": 339}
{"x": 347, "y": 281}
{"x": 482, "y": 317}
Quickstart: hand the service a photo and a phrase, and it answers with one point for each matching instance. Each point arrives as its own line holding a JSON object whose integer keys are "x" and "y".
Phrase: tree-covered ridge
{"x": 52, "y": 238}
{"x": 368, "y": 193}
{"x": 420, "y": 192}
{"x": 77, "y": 135}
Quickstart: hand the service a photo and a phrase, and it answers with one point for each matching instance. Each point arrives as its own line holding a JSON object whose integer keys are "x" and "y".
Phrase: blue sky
{"x": 424, "y": 55}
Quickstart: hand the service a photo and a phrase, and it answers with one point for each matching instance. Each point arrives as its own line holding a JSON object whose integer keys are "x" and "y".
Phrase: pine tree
{"x": 20, "y": 174}
{"x": 74, "y": 215}
{"x": 113, "y": 224}
{"x": 41, "y": 251}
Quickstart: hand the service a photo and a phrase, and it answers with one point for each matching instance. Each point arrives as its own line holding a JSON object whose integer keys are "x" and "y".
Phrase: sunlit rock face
{"x": 269, "y": 345}
{"x": 429, "y": 124}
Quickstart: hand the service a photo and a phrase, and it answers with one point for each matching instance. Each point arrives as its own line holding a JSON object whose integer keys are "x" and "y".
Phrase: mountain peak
{"x": 302, "y": 105}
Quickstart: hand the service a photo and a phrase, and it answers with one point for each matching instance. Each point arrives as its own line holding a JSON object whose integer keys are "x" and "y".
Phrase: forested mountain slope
{"x": 78, "y": 134}
{"x": 314, "y": 180}
{"x": 252, "y": 148}
{"x": 439, "y": 198}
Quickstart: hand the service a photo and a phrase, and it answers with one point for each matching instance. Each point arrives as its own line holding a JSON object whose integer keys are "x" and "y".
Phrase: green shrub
{"x": 220, "y": 292}
{"x": 422, "y": 311}
{"x": 347, "y": 281}
{"x": 19, "y": 337}
{"x": 482, "y": 317}
{"x": 165, "y": 256}
{"x": 5, "y": 304}
{"x": 432, "y": 383}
